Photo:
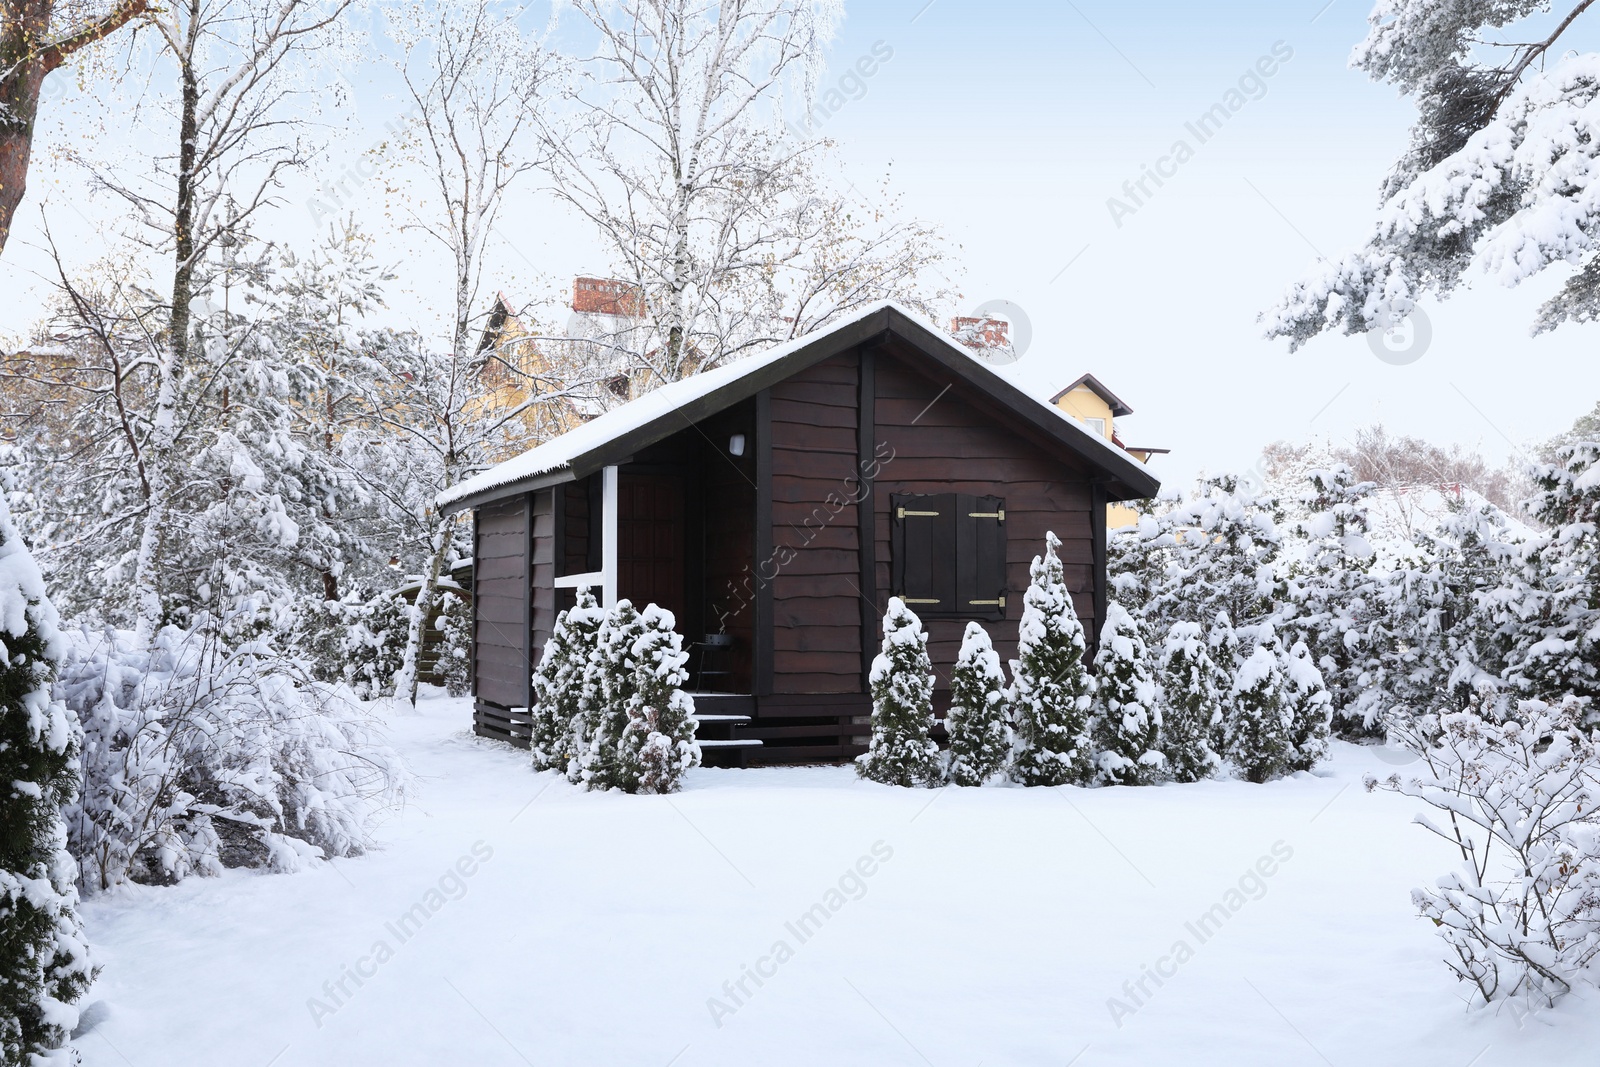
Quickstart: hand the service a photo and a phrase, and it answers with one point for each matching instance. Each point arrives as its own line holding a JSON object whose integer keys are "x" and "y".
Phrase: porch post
{"x": 608, "y": 537}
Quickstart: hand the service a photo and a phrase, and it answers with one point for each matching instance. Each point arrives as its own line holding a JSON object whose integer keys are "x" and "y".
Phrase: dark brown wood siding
{"x": 946, "y": 442}
{"x": 500, "y": 602}
{"x": 815, "y": 603}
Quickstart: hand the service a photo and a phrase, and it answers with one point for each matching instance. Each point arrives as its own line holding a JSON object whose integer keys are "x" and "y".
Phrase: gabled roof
{"x": 620, "y": 432}
{"x": 1118, "y": 408}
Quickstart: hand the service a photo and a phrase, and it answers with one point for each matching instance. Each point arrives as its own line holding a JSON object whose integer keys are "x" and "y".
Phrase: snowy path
{"x": 995, "y": 931}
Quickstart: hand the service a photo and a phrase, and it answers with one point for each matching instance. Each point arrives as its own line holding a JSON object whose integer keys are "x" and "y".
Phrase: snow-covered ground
{"x": 961, "y": 926}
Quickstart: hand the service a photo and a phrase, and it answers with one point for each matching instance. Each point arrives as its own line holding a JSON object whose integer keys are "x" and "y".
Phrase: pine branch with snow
{"x": 980, "y": 739}
{"x": 1129, "y": 717}
{"x": 901, "y": 683}
{"x": 1051, "y": 691}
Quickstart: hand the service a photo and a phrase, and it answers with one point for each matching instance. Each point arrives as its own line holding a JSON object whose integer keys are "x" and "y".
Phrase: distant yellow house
{"x": 1098, "y": 409}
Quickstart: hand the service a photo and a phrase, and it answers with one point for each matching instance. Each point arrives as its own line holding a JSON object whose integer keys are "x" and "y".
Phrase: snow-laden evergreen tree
{"x": 1488, "y": 182}
{"x": 1220, "y": 547}
{"x": 1553, "y": 611}
{"x": 603, "y": 759}
{"x": 453, "y": 657}
{"x": 1256, "y": 721}
{"x": 1222, "y": 641}
{"x": 1338, "y": 609}
{"x": 44, "y": 957}
{"x": 1192, "y": 687}
{"x": 1052, "y": 692}
{"x": 558, "y": 684}
{"x": 659, "y": 738}
{"x": 901, "y": 683}
{"x": 980, "y": 739}
{"x": 1309, "y": 707}
{"x": 1128, "y": 722}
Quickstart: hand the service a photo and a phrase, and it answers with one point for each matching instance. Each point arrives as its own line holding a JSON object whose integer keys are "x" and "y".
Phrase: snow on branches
{"x": 1522, "y": 913}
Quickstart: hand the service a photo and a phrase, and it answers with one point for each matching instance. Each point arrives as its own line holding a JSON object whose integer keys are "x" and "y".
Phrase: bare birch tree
{"x": 474, "y": 77}
{"x": 727, "y": 226}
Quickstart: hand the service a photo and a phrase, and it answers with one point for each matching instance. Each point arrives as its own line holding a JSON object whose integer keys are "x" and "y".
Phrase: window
{"x": 1097, "y": 425}
{"x": 949, "y": 554}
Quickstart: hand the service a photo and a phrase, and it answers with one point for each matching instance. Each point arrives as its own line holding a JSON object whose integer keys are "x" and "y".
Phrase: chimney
{"x": 981, "y": 333}
{"x": 607, "y": 296}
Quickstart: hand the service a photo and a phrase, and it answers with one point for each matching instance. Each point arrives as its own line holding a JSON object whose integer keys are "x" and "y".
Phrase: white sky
{"x": 1010, "y": 126}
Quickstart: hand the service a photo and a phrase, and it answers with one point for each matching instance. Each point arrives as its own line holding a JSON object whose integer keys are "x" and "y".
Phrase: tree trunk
{"x": 163, "y": 428}
{"x": 405, "y": 681}
{"x": 27, "y": 54}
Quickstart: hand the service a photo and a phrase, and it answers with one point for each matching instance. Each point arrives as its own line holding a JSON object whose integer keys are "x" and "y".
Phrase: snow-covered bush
{"x": 1128, "y": 721}
{"x": 901, "y": 683}
{"x": 633, "y": 727}
{"x": 1192, "y": 688}
{"x": 1051, "y": 690}
{"x": 44, "y": 960}
{"x": 980, "y": 740}
{"x": 558, "y": 683}
{"x": 200, "y": 754}
{"x": 659, "y": 738}
{"x": 1309, "y": 708}
{"x": 1256, "y": 719}
{"x": 608, "y": 686}
{"x": 1522, "y": 913}
{"x": 372, "y": 642}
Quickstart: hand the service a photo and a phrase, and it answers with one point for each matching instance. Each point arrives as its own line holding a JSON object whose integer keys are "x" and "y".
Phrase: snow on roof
{"x": 560, "y": 452}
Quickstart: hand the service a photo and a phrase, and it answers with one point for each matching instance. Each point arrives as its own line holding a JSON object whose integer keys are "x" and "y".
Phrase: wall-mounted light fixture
{"x": 736, "y": 444}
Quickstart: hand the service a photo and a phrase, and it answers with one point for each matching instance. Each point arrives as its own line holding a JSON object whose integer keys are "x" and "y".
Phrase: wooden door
{"x": 651, "y": 540}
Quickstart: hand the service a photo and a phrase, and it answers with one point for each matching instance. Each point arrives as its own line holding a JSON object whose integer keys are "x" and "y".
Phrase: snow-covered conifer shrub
{"x": 1256, "y": 720}
{"x": 201, "y": 754}
{"x": 659, "y": 738}
{"x": 1309, "y": 707}
{"x": 44, "y": 958}
{"x": 373, "y": 644}
{"x": 558, "y": 683}
{"x": 901, "y": 682}
{"x": 1128, "y": 723}
{"x": 1192, "y": 688}
{"x": 1051, "y": 690}
{"x": 1521, "y": 915}
{"x": 980, "y": 739}
{"x": 602, "y": 760}
{"x": 1338, "y": 604}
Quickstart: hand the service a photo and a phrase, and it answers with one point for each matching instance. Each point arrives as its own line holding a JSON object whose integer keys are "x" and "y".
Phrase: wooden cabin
{"x": 774, "y": 505}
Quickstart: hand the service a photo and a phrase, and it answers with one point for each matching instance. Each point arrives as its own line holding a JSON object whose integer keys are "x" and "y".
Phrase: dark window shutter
{"x": 924, "y": 528}
{"x": 981, "y": 556}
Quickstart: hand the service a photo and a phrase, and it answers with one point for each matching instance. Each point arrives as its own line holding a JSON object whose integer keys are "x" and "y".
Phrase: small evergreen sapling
{"x": 1257, "y": 719}
{"x": 901, "y": 681}
{"x": 1192, "y": 686}
{"x": 1309, "y": 706}
{"x": 1129, "y": 723}
{"x": 558, "y": 683}
{"x": 44, "y": 960}
{"x": 1051, "y": 690}
{"x": 979, "y": 737}
{"x": 659, "y": 738}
